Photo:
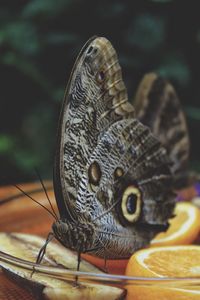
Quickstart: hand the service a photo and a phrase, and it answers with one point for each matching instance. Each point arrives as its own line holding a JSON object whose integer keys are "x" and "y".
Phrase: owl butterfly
{"x": 115, "y": 162}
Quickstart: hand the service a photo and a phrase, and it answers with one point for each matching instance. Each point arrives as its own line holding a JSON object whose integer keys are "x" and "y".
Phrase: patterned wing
{"x": 127, "y": 189}
{"x": 95, "y": 98}
{"x": 157, "y": 106}
{"x": 112, "y": 179}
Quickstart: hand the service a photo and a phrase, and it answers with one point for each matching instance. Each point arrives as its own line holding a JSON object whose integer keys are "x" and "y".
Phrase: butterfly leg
{"x": 79, "y": 260}
{"x": 105, "y": 265}
{"x": 105, "y": 259}
{"x": 78, "y": 265}
{"x": 43, "y": 250}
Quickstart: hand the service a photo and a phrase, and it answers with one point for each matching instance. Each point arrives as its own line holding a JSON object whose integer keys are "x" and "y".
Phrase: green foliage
{"x": 147, "y": 32}
{"x": 175, "y": 67}
{"x": 193, "y": 112}
{"x": 45, "y": 9}
{"x": 6, "y": 144}
{"x": 20, "y": 36}
{"x": 39, "y": 41}
{"x": 162, "y": 1}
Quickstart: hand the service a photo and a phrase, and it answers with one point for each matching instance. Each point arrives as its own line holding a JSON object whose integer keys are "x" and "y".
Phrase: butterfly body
{"x": 112, "y": 177}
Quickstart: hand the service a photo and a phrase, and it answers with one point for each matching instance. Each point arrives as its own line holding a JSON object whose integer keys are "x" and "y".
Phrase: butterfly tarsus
{"x": 43, "y": 249}
{"x": 105, "y": 265}
{"x": 78, "y": 265}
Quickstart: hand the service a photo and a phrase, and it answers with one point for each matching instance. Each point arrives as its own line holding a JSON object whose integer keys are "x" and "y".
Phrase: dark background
{"x": 39, "y": 41}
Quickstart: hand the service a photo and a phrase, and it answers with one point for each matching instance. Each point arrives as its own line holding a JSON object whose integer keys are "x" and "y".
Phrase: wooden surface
{"x": 18, "y": 213}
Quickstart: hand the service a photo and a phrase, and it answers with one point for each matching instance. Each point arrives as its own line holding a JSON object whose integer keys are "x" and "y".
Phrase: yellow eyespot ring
{"x": 131, "y": 203}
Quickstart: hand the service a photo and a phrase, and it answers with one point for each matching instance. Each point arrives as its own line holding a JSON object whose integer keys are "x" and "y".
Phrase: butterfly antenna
{"x": 47, "y": 196}
{"x": 26, "y": 194}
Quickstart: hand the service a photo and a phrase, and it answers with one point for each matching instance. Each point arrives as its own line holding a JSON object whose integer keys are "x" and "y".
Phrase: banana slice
{"x": 26, "y": 247}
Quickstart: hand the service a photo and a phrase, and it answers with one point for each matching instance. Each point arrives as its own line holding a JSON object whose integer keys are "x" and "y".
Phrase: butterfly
{"x": 116, "y": 161}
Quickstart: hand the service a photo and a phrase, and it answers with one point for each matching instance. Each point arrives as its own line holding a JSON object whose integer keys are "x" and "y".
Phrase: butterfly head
{"x": 73, "y": 235}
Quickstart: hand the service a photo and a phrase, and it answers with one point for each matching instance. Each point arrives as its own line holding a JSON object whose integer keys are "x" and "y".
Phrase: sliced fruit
{"x": 26, "y": 247}
{"x": 161, "y": 262}
{"x": 184, "y": 227}
{"x": 196, "y": 201}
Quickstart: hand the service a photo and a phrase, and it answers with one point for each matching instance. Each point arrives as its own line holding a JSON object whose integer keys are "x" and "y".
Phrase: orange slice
{"x": 160, "y": 262}
{"x": 184, "y": 227}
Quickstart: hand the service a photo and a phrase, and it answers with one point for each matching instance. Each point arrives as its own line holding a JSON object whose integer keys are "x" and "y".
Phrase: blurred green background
{"x": 39, "y": 41}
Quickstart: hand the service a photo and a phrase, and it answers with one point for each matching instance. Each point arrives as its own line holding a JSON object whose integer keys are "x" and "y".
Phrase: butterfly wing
{"x": 127, "y": 193}
{"x": 157, "y": 106}
{"x": 94, "y": 99}
{"x": 111, "y": 174}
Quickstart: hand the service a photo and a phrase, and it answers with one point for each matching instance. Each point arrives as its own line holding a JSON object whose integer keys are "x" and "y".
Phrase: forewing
{"x": 95, "y": 98}
{"x": 157, "y": 106}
